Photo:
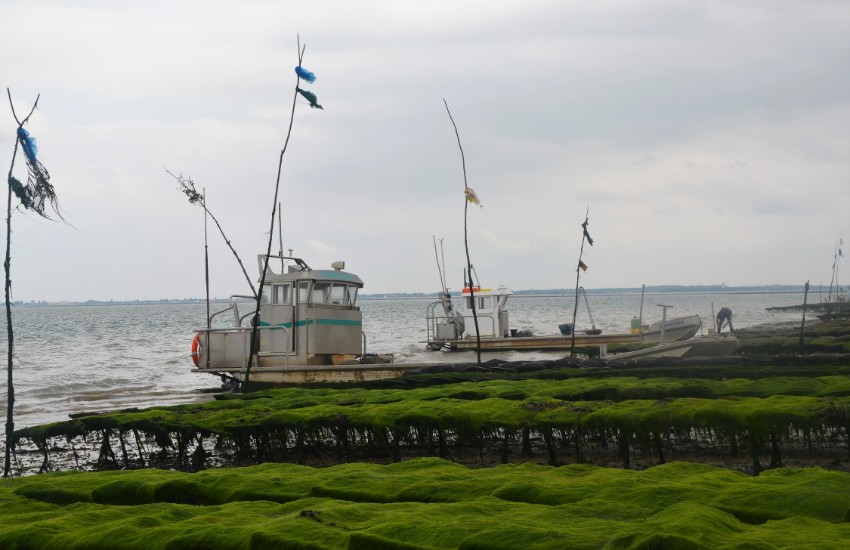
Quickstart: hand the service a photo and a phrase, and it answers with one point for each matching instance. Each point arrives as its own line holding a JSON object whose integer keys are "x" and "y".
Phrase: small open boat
{"x": 450, "y": 329}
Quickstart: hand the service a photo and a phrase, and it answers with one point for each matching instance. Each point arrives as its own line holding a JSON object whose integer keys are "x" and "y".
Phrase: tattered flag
{"x": 472, "y": 196}
{"x": 586, "y": 234}
{"x": 311, "y": 97}
{"x": 38, "y": 191}
{"x": 304, "y": 74}
{"x": 582, "y": 265}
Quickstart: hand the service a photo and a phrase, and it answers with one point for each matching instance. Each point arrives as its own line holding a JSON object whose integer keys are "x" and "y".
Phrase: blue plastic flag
{"x": 28, "y": 144}
{"x": 304, "y": 74}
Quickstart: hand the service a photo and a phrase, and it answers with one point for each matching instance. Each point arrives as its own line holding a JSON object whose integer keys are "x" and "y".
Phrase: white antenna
{"x": 440, "y": 271}
{"x": 280, "y": 234}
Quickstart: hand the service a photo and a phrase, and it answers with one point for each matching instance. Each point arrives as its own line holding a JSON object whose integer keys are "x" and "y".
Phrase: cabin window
{"x": 339, "y": 296}
{"x": 303, "y": 288}
{"x": 352, "y": 294}
{"x": 480, "y": 303}
{"x": 266, "y": 296}
{"x": 320, "y": 293}
{"x": 282, "y": 294}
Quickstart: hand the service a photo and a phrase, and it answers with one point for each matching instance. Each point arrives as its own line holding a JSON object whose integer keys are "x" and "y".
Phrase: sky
{"x": 708, "y": 142}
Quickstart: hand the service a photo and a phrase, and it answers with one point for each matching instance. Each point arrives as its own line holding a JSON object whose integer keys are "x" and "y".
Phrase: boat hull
{"x": 319, "y": 374}
{"x": 703, "y": 346}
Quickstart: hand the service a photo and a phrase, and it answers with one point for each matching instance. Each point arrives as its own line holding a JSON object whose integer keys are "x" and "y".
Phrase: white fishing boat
{"x": 309, "y": 329}
{"x": 454, "y": 330}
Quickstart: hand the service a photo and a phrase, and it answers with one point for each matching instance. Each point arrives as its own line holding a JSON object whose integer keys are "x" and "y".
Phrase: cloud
{"x": 701, "y": 136}
{"x": 320, "y": 248}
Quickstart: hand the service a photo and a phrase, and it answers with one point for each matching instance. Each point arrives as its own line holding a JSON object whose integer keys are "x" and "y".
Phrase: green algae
{"x": 306, "y": 408}
{"x": 653, "y": 414}
{"x": 782, "y": 493}
{"x": 372, "y": 506}
{"x": 433, "y": 503}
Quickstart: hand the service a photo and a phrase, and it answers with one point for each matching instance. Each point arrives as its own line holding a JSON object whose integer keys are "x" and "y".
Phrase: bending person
{"x": 724, "y": 317}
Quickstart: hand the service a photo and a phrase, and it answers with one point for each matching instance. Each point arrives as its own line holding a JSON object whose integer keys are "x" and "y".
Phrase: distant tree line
{"x": 660, "y": 289}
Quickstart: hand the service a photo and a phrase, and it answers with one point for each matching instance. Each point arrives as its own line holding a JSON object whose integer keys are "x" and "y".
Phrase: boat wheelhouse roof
{"x": 300, "y": 271}
{"x": 330, "y": 275}
{"x": 501, "y": 291}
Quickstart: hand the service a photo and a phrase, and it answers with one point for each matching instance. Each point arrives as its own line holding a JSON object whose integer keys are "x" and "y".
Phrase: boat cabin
{"x": 307, "y": 317}
{"x": 490, "y": 309}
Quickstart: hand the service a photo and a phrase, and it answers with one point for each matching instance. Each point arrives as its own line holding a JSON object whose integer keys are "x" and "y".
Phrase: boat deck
{"x": 307, "y": 374}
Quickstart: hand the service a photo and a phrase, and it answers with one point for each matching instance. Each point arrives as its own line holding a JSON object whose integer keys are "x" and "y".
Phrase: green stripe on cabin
{"x": 334, "y": 322}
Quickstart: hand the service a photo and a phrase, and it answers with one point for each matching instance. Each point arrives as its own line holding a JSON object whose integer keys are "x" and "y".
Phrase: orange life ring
{"x": 196, "y": 348}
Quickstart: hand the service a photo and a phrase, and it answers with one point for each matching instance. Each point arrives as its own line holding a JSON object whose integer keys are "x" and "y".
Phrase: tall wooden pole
{"x": 7, "y": 264}
{"x": 207, "y": 266}
{"x": 255, "y": 321}
{"x": 466, "y": 239}
{"x": 578, "y": 274}
{"x": 803, "y": 324}
{"x": 471, "y": 285}
{"x": 10, "y": 402}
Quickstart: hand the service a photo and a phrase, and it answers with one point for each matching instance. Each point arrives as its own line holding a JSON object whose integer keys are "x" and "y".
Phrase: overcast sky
{"x": 710, "y": 141}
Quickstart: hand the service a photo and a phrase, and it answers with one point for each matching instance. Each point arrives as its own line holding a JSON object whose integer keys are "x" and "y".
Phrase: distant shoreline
{"x": 547, "y": 293}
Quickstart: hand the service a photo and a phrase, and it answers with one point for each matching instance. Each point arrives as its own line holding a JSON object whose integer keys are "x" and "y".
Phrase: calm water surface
{"x": 97, "y": 358}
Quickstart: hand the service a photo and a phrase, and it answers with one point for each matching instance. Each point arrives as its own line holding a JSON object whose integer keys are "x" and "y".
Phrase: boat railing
{"x": 233, "y": 306}
{"x": 432, "y": 319}
{"x": 246, "y": 342}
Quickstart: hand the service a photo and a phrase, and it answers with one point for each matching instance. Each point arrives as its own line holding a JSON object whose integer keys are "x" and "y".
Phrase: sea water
{"x": 73, "y": 359}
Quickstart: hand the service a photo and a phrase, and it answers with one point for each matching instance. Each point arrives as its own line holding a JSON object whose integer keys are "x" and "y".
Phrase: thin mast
{"x": 439, "y": 270}
{"x": 207, "y": 265}
{"x": 280, "y": 233}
